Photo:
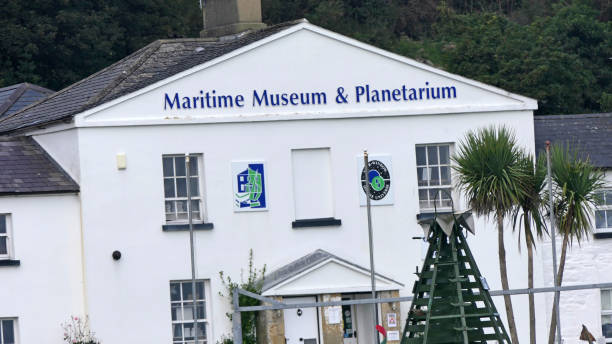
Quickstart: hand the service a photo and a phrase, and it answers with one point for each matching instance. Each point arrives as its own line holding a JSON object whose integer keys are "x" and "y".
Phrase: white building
{"x": 292, "y": 104}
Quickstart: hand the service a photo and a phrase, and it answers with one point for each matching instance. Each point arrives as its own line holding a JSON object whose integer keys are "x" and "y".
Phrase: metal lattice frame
{"x": 451, "y": 302}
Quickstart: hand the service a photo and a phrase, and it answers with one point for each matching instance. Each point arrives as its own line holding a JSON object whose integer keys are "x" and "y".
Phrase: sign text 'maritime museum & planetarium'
{"x": 264, "y": 98}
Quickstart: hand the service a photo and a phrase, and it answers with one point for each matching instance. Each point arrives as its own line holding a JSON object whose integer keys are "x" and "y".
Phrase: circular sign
{"x": 379, "y": 180}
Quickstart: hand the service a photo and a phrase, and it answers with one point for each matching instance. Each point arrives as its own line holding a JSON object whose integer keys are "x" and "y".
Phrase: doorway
{"x": 301, "y": 324}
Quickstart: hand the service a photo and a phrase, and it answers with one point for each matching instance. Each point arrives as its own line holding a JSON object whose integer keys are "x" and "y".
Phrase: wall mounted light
{"x": 116, "y": 255}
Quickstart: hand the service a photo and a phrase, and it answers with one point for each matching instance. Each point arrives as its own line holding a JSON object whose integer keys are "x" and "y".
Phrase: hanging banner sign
{"x": 377, "y": 178}
{"x": 249, "y": 186}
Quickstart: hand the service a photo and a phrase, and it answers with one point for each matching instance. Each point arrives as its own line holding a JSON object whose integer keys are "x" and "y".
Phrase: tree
{"x": 490, "y": 175}
{"x": 576, "y": 183}
{"x": 529, "y": 210}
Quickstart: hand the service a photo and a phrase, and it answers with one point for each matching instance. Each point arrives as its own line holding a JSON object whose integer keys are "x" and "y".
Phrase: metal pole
{"x": 554, "y": 242}
{"x": 366, "y": 168}
{"x": 193, "y": 273}
{"x": 236, "y": 319}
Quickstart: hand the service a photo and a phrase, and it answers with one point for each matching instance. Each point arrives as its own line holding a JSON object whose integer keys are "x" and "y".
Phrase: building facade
{"x": 274, "y": 122}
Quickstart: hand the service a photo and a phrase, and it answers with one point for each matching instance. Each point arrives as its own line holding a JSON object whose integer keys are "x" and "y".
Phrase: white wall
{"x": 123, "y": 210}
{"x": 46, "y": 288}
{"x": 586, "y": 262}
{"x": 63, "y": 146}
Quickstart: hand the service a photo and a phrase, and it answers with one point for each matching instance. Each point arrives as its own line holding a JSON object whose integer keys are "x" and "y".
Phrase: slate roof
{"x": 157, "y": 61}
{"x": 15, "y": 97}
{"x": 591, "y": 134}
{"x": 302, "y": 264}
{"x": 25, "y": 168}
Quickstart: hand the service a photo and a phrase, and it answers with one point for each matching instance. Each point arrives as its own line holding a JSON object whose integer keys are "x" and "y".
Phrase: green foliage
{"x": 489, "y": 170}
{"x": 531, "y": 202}
{"x": 57, "y": 42}
{"x": 254, "y": 284}
{"x": 576, "y": 183}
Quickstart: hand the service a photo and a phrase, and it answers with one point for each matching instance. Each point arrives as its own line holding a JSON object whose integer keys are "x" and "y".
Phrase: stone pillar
{"x": 387, "y": 308}
{"x": 332, "y": 333}
{"x": 271, "y": 326}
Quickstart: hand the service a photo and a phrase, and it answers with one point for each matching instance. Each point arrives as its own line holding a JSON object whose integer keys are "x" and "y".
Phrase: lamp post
{"x": 193, "y": 273}
{"x": 366, "y": 168}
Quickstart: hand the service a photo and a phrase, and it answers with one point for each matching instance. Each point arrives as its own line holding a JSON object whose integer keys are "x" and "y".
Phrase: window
{"x": 7, "y": 331}
{"x": 175, "y": 187}
{"x": 312, "y": 184}
{"x": 603, "y": 212}
{"x": 5, "y": 239}
{"x": 434, "y": 176}
{"x": 606, "y": 314}
{"x": 181, "y": 307}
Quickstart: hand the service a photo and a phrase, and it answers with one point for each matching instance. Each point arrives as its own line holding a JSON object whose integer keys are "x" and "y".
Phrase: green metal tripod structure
{"x": 451, "y": 301}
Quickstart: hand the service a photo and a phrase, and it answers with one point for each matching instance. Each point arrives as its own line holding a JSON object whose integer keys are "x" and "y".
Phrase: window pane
{"x": 187, "y": 294}
{"x": 201, "y": 330}
{"x": 3, "y": 245}
{"x": 422, "y": 176}
{"x": 423, "y": 199}
{"x": 195, "y": 187}
{"x": 444, "y": 155}
{"x": 181, "y": 187}
{"x": 609, "y": 217}
{"x": 181, "y": 206}
{"x": 188, "y": 331}
{"x": 8, "y": 334}
{"x": 188, "y": 310}
{"x": 2, "y": 223}
{"x": 445, "y": 175}
{"x": 179, "y": 163}
{"x": 175, "y": 291}
{"x": 432, "y": 155}
{"x": 608, "y": 197}
{"x": 169, "y": 188}
{"x": 606, "y": 325}
{"x": 168, "y": 167}
{"x": 177, "y": 330}
{"x": 200, "y": 290}
{"x": 599, "y": 198}
{"x": 176, "y": 312}
{"x": 600, "y": 219}
{"x": 181, "y": 216}
{"x": 170, "y": 217}
{"x": 170, "y": 207}
{"x": 435, "y": 176}
{"x": 201, "y": 310}
{"x": 606, "y": 300}
{"x": 193, "y": 166}
{"x": 420, "y": 155}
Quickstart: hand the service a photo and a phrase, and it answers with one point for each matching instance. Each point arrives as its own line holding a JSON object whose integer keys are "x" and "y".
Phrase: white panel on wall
{"x": 312, "y": 186}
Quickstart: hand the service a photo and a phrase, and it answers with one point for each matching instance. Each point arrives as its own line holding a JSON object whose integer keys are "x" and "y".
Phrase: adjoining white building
{"x": 275, "y": 121}
{"x": 587, "y": 262}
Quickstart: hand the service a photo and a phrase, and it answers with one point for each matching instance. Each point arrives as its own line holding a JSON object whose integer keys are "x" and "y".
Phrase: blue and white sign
{"x": 249, "y": 186}
{"x": 377, "y": 178}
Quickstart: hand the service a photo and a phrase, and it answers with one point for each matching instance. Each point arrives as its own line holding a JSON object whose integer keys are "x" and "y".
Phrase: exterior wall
{"x": 46, "y": 289}
{"x": 63, "y": 146}
{"x": 123, "y": 210}
{"x": 586, "y": 262}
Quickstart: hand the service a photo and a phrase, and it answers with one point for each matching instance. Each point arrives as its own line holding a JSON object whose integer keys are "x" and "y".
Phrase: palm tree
{"x": 528, "y": 209}
{"x": 577, "y": 183}
{"x": 487, "y": 163}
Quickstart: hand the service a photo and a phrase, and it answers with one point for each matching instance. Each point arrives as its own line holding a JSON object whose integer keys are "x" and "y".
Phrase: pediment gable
{"x": 331, "y": 276}
{"x": 303, "y": 72}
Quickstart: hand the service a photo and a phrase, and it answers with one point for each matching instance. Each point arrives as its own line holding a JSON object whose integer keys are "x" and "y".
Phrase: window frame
{"x": 605, "y": 312}
{"x": 201, "y": 190}
{"x": 9, "y": 236}
{"x": 15, "y": 334}
{"x": 604, "y": 208}
{"x": 206, "y": 321}
{"x": 451, "y": 175}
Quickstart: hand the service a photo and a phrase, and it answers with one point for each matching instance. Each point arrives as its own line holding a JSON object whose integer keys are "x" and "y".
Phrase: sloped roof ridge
{"x": 571, "y": 116}
{"x": 71, "y": 86}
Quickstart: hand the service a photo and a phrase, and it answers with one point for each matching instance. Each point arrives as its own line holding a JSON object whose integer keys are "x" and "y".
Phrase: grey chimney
{"x": 228, "y": 17}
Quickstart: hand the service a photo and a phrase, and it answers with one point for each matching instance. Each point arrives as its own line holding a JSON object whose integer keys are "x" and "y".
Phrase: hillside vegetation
{"x": 559, "y": 52}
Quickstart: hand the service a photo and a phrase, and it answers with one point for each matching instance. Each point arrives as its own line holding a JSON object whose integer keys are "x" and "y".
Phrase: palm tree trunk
{"x": 504, "y": 278}
{"x": 553, "y": 321}
{"x": 532, "y": 318}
